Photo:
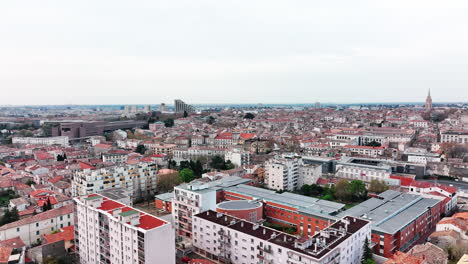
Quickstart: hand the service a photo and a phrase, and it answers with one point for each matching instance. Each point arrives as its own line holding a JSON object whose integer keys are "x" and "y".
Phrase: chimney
{"x": 207, "y": 213}
{"x": 264, "y": 231}
{"x": 242, "y": 224}
{"x": 284, "y": 238}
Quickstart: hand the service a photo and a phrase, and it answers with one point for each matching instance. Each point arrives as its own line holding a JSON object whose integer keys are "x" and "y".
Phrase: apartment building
{"x": 307, "y": 214}
{"x": 237, "y": 157}
{"x": 282, "y": 172}
{"x": 454, "y": 136}
{"x": 365, "y": 150}
{"x": 232, "y": 240}
{"x": 447, "y": 194}
{"x": 196, "y": 197}
{"x": 45, "y": 141}
{"x": 31, "y": 229}
{"x": 107, "y": 231}
{"x": 399, "y": 220}
{"x": 160, "y": 148}
{"x": 181, "y": 106}
{"x": 364, "y": 169}
{"x": 139, "y": 179}
{"x": 421, "y": 155}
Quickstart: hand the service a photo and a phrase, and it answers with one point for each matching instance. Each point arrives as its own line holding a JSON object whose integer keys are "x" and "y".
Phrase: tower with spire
{"x": 428, "y": 101}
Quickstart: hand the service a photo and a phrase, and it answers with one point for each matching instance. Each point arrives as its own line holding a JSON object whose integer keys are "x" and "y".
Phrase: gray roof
{"x": 201, "y": 186}
{"x": 391, "y": 211}
{"x": 165, "y": 196}
{"x": 116, "y": 193}
{"x": 305, "y": 204}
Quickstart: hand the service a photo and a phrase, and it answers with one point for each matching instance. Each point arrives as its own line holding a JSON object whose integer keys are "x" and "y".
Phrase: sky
{"x": 257, "y": 51}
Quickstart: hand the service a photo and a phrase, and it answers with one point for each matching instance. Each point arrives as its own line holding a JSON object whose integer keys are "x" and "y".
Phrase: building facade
{"x": 140, "y": 179}
{"x": 232, "y": 240}
{"x": 107, "y": 231}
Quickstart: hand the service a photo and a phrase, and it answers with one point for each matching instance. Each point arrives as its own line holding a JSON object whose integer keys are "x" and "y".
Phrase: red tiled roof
{"x": 55, "y": 179}
{"x": 5, "y": 253}
{"x": 15, "y": 242}
{"x": 149, "y": 222}
{"x": 44, "y": 156}
{"x": 422, "y": 184}
{"x": 64, "y": 210}
{"x": 84, "y": 165}
{"x": 102, "y": 146}
{"x": 246, "y": 136}
{"x": 404, "y": 181}
{"x": 67, "y": 234}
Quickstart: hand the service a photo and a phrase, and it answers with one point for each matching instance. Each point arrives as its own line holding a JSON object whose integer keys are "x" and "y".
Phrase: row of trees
{"x": 9, "y": 216}
{"x": 345, "y": 191}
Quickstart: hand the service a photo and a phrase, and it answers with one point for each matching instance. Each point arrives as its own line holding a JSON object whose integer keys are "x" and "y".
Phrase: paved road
{"x": 459, "y": 185}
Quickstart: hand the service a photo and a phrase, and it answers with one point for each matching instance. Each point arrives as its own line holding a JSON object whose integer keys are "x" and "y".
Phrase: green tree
{"x": 357, "y": 190}
{"x": 367, "y": 253}
{"x": 377, "y": 186}
{"x": 166, "y": 182}
{"x": 249, "y": 116}
{"x": 9, "y": 216}
{"x": 30, "y": 182}
{"x": 373, "y": 143}
{"x": 141, "y": 149}
{"x": 342, "y": 190}
{"x": 210, "y": 120}
{"x": 186, "y": 175}
{"x": 169, "y": 122}
{"x": 185, "y": 114}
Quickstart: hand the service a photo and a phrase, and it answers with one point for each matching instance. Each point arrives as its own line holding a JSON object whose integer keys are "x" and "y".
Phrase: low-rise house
{"x": 31, "y": 229}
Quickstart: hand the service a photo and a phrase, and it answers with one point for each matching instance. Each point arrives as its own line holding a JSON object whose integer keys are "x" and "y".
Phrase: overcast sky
{"x": 257, "y": 51}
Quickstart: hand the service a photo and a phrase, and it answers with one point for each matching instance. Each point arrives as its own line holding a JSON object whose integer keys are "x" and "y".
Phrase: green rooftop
{"x": 131, "y": 212}
{"x": 89, "y": 198}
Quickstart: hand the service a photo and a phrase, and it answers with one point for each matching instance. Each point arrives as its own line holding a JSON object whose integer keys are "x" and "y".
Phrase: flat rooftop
{"x": 116, "y": 209}
{"x": 330, "y": 237}
{"x": 391, "y": 211}
{"x": 303, "y": 204}
{"x": 239, "y": 205}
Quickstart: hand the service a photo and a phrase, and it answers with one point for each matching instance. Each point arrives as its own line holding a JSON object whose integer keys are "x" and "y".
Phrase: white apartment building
{"x": 139, "y": 179}
{"x": 237, "y": 157}
{"x": 115, "y": 157}
{"x": 454, "y": 136}
{"x": 46, "y": 141}
{"x": 309, "y": 174}
{"x": 31, "y": 229}
{"x": 366, "y": 150}
{"x": 365, "y": 170}
{"x": 421, "y": 156}
{"x": 107, "y": 231}
{"x": 195, "y": 197}
{"x": 282, "y": 172}
{"x": 288, "y": 172}
{"x": 196, "y": 152}
{"x": 231, "y": 240}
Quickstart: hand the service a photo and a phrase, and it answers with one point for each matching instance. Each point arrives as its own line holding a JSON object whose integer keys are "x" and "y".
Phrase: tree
{"x": 357, "y": 190}
{"x": 210, "y": 120}
{"x": 342, "y": 190}
{"x": 30, "y": 182}
{"x": 185, "y": 114}
{"x": 377, "y": 186}
{"x": 373, "y": 143}
{"x": 186, "y": 175}
{"x": 166, "y": 182}
{"x": 249, "y": 116}
{"x": 9, "y": 216}
{"x": 169, "y": 122}
{"x": 218, "y": 163}
{"x": 367, "y": 253}
{"x": 141, "y": 149}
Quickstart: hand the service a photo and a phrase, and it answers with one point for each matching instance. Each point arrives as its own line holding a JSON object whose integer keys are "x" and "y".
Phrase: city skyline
{"x": 205, "y": 53}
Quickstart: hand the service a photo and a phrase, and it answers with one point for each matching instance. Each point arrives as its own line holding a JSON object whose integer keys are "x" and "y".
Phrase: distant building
{"x": 111, "y": 232}
{"x": 162, "y": 107}
{"x": 147, "y": 108}
{"x": 46, "y": 141}
{"x": 83, "y": 129}
{"x": 428, "y": 105}
{"x": 454, "y": 136}
{"x": 181, "y": 107}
